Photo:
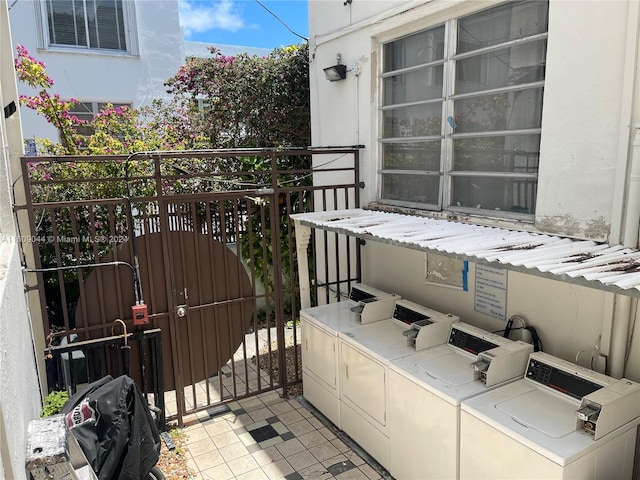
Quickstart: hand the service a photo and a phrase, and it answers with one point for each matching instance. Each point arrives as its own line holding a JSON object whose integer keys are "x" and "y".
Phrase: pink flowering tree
{"x": 115, "y": 130}
{"x": 248, "y": 101}
{"x": 56, "y": 111}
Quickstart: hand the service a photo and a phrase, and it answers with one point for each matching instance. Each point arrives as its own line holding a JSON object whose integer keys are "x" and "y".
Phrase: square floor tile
{"x": 278, "y": 469}
{"x": 225, "y": 439}
{"x": 290, "y": 417}
{"x": 267, "y": 455}
{"x": 312, "y": 439}
{"x": 302, "y": 460}
{"x": 271, "y": 442}
{"x": 287, "y": 436}
{"x": 261, "y": 434}
{"x": 290, "y": 447}
{"x": 242, "y": 465}
{"x": 253, "y": 448}
{"x": 324, "y": 451}
{"x": 256, "y": 474}
{"x": 208, "y": 460}
{"x": 201, "y": 447}
{"x": 370, "y": 472}
{"x": 301, "y": 427}
{"x": 234, "y": 451}
{"x": 315, "y": 472}
{"x": 247, "y": 439}
{"x": 221, "y": 472}
{"x": 340, "y": 467}
{"x": 293, "y": 476}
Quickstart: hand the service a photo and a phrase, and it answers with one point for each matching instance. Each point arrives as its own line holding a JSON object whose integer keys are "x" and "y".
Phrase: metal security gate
{"x": 202, "y": 239}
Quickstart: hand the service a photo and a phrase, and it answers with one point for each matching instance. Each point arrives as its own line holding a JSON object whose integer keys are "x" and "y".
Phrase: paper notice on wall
{"x": 446, "y": 271}
{"x": 491, "y": 291}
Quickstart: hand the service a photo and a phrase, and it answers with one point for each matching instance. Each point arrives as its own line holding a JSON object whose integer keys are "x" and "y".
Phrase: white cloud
{"x": 202, "y": 16}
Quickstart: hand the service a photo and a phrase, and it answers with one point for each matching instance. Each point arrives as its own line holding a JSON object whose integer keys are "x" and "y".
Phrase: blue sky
{"x": 244, "y": 22}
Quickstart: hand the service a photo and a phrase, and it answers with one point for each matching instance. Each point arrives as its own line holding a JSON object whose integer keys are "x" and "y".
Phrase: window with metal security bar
{"x": 87, "y": 24}
{"x": 461, "y": 112}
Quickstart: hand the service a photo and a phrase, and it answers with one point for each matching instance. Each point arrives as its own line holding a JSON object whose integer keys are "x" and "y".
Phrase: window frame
{"x": 447, "y": 136}
{"x": 96, "y": 108}
{"x": 129, "y": 25}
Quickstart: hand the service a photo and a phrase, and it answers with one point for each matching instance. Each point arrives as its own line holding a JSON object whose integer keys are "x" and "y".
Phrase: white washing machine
{"x": 319, "y": 332}
{"x": 365, "y": 353}
{"x": 427, "y": 388}
{"x": 560, "y": 421}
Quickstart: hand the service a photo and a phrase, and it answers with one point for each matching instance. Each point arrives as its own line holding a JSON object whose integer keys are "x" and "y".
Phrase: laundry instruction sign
{"x": 491, "y": 291}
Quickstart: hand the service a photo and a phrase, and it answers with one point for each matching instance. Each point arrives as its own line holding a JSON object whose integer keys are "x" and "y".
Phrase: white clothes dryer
{"x": 560, "y": 421}
{"x": 319, "y": 336}
{"x": 427, "y": 388}
{"x": 365, "y": 353}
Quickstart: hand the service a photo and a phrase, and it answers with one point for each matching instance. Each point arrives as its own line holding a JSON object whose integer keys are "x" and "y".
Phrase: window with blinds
{"x": 90, "y": 24}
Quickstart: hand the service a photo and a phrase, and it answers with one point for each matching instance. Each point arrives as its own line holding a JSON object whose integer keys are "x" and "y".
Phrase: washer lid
{"x": 542, "y": 411}
{"x": 452, "y": 368}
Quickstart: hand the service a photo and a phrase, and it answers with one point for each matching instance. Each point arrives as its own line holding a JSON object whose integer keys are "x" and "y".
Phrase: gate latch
{"x": 181, "y": 311}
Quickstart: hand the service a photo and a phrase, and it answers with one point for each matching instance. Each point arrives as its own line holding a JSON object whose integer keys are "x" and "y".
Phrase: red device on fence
{"x": 140, "y": 314}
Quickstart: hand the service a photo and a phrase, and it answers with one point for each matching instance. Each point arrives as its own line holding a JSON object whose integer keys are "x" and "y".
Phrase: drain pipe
{"x": 623, "y": 305}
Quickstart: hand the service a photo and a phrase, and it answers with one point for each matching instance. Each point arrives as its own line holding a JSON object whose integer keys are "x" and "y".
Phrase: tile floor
{"x": 268, "y": 437}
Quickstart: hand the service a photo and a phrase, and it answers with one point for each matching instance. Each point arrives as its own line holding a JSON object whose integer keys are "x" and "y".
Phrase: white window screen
{"x": 461, "y": 112}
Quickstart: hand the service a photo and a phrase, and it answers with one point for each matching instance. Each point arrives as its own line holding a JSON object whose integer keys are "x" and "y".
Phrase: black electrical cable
{"x": 278, "y": 18}
{"x": 137, "y": 286}
{"x": 535, "y": 338}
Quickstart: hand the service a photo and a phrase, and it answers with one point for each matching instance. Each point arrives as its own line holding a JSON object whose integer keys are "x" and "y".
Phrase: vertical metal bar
{"x": 111, "y": 219}
{"x": 98, "y": 271}
{"x": 348, "y": 246}
{"x": 165, "y": 235}
{"x": 337, "y": 246}
{"x": 28, "y": 195}
{"x": 252, "y": 263}
{"x": 60, "y": 274}
{"x": 277, "y": 275}
{"x": 150, "y": 293}
{"x": 78, "y": 258}
{"x": 126, "y": 359}
{"x": 89, "y": 357}
{"x": 325, "y": 235}
{"x": 158, "y": 377}
{"x": 269, "y": 293}
{"x": 212, "y": 268}
{"x": 100, "y": 361}
{"x": 188, "y": 319}
{"x": 292, "y": 282}
{"x": 314, "y": 253}
{"x": 220, "y": 229}
{"x": 240, "y": 274}
{"x": 356, "y": 166}
{"x": 201, "y": 313}
{"x": 223, "y": 223}
{"x": 142, "y": 347}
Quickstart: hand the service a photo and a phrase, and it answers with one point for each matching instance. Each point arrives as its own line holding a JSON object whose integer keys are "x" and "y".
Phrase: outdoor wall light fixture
{"x": 336, "y": 72}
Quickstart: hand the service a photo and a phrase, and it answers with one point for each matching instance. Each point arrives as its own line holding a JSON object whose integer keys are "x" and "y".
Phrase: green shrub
{"x": 53, "y": 403}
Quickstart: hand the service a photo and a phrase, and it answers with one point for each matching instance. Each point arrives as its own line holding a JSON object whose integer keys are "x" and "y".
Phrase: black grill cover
{"x": 113, "y": 425}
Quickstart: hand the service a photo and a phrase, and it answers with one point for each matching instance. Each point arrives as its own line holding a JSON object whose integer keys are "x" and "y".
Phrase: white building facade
{"x": 118, "y": 52}
{"x": 520, "y": 115}
{"x": 20, "y": 393}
